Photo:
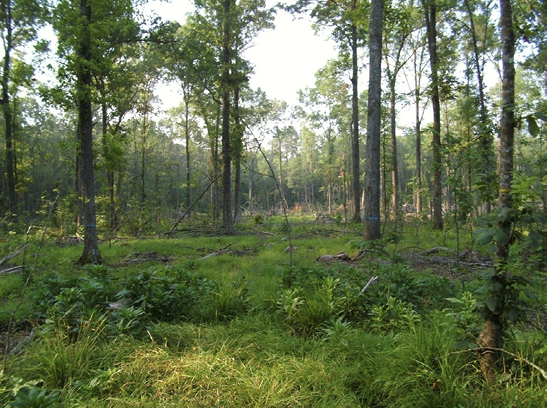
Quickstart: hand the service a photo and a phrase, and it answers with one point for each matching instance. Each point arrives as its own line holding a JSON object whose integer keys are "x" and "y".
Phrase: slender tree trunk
{"x": 485, "y": 129}
{"x": 372, "y": 229}
{"x": 108, "y": 171}
{"x": 227, "y": 220}
{"x": 85, "y": 136}
{"x": 394, "y": 167}
{"x": 11, "y": 164}
{"x": 144, "y": 135}
{"x": 492, "y": 331}
{"x": 281, "y": 181}
{"x": 356, "y": 174}
{"x": 431, "y": 23}
{"x": 187, "y": 142}
{"x": 238, "y": 151}
{"x": 418, "y": 132}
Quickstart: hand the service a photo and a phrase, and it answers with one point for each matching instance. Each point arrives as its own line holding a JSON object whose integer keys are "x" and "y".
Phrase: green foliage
{"x": 10, "y": 386}
{"x": 228, "y": 330}
{"x": 171, "y": 295}
{"x": 463, "y": 314}
{"x": 35, "y": 399}
{"x": 338, "y": 331}
{"x": 501, "y": 294}
{"x": 395, "y": 315}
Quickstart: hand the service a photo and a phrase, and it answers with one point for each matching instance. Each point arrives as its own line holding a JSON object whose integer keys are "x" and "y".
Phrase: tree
{"x": 492, "y": 332}
{"x": 19, "y": 20}
{"x": 397, "y": 31}
{"x": 327, "y": 109}
{"x": 86, "y": 31}
{"x": 430, "y": 10}
{"x": 347, "y": 20}
{"x": 372, "y": 229}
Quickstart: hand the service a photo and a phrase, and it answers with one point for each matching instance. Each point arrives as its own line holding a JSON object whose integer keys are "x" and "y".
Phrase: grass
{"x": 251, "y": 340}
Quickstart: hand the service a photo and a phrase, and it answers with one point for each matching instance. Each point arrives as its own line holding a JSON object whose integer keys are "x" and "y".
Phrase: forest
{"x": 380, "y": 243}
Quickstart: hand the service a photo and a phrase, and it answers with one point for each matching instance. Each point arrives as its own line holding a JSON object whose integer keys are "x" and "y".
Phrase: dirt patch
{"x": 19, "y": 332}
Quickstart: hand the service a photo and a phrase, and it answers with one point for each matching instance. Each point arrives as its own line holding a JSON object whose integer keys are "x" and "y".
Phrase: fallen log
{"x": 9, "y": 257}
{"x": 334, "y": 258}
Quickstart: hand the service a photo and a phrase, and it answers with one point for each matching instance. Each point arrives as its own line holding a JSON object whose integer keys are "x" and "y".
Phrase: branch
{"x": 371, "y": 280}
{"x": 218, "y": 252}
{"x": 9, "y": 257}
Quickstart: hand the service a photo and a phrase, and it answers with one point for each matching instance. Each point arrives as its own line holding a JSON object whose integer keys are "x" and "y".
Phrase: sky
{"x": 285, "y": 58}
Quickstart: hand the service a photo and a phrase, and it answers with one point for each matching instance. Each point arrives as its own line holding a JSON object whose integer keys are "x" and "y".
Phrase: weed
{"x": 60, "y": 357}
{"x": 35, "y": 399}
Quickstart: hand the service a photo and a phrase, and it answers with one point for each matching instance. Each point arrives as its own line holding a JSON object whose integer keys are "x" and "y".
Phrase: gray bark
{"x": 372, "y": 229}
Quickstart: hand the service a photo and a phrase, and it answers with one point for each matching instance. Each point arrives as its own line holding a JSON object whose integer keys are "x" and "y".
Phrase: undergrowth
{"x": 246, "y": 328}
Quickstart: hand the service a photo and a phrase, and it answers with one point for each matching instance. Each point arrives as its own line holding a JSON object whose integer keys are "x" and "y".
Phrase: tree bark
{"x": 85, "y": 136}
{"x": 187, "y": 147}
{"x": 372, "y": 229}
{"x": 394, "y": 167}
{"x": 355, "y": 126}
{"x": 492, "y": 331}
{"x": 238, "y": 151}
{"x": 11, "y": 164}
{"x": 227, "y": 220}
{"x": 431, "y": 24}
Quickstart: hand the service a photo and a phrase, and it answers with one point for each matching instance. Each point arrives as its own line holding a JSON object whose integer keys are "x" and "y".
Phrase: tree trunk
{"x": 85, "y": 136}
{"x": 431, "y": 24}
{"x": 227, "y": 221}
{"x": 485, "y": 129}
{"x": 418, "y": 132}
{"x": 372, "y": 229}
{"x": 11, "y": 164}
{"x": 238, "y": 151}
{"x": 394, "y": 169}
{"x": 356, "y": 174}
{"x": 492, "y": 331}
{"x": 187, "y": 142}
{"x": 109, "y": 172}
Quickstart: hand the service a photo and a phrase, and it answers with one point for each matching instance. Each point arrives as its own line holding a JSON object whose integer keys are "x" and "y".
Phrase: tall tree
{"x": 232, "y": 25}
{"x": 19, "y": 20}
{"x": 430, "y": 11}
{"x": 397, "y": 29}
{"x": 492, "y": 332}
{"x": 86, "y": 31}
{"x": 347, "y": 20}
{"x": 484, "y": 129}
{"x": 372, "y": 229}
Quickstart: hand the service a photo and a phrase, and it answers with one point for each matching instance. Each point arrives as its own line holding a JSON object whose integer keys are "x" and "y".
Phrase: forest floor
{"x": 288, "y": 308}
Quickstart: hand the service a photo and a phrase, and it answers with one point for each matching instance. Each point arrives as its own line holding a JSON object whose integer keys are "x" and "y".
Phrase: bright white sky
{"x": 285, "y": 58}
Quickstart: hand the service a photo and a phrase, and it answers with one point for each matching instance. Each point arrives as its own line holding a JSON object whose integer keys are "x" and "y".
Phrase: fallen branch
{"x": 371, "y": 281}
{"x": 435, "y": 250}
{"x": 9, "y": 257}
{"x": 217, "y": 252}
{"x": 332, "y": 258}
{"x": 483, "y": 350}
{"x": 11, "y": 270}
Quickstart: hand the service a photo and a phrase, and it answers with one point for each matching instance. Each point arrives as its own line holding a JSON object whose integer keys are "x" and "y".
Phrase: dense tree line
{"x": 147, "y": 165}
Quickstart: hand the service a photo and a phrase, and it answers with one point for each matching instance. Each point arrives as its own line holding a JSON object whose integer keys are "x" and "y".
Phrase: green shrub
{"x": 166, "y": 297}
